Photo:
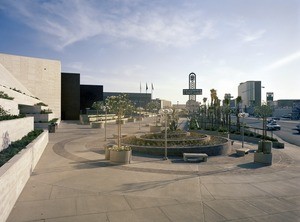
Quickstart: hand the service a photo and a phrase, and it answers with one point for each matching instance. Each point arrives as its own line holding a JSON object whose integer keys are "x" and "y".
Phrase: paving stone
{"x": 38, "y": 210}
{"x": 234, "y": 209}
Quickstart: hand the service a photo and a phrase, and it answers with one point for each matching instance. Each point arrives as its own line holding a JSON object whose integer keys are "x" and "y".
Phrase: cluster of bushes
{"x": 16, "y": 146}
{"x": 5, "y": 96}
{"x": 173, "y": 135}
{"x": 174, "y": 143}
{"x": 40, "y": 104}
{"x": 4, "y": 115}
{"x": 221, "y": 129}
{"x": 19, "y": 91}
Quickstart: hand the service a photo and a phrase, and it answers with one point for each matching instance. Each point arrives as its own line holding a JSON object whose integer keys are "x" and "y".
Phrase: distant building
{"x": 138, "y": 99}
{"x": 70, "y": 96}
{"x": 270, "y": 98}
{"x": 32, "y": 80}
{"x": 287, "y": 107}
{"x": 164, "y": 103}
{"x": 88, "y": 95}
{"x": 250, "y": 93}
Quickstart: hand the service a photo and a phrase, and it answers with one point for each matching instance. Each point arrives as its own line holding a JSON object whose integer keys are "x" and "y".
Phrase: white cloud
{"x": 282, "y": 62}
{"x": 67, "y": 22}
{"x": 252, "y": 36}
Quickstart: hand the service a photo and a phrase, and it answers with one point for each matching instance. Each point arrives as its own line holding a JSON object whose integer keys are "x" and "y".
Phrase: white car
{"x": 273, "y": 126}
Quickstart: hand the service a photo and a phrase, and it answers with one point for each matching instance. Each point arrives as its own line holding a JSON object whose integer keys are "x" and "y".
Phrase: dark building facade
{"x": 88, "y": 95}
{"x": 70, "y": 96}
{"x": 138, "y": 99}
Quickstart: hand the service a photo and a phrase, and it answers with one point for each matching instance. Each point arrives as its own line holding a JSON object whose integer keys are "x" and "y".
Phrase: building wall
{"x": 70, "y": 96}
{"x": 250, "y": 92}
{"x": 41, "y": 77}
{"x": 88, "y": 95}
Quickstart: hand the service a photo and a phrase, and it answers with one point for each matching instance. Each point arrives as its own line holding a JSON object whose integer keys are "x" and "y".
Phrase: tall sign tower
{"x": 192, "y": 91}
{"x": 192, "y": 85}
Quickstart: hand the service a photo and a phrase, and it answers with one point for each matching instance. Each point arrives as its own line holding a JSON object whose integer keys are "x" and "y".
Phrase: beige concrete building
{"x": 32, "y": 80}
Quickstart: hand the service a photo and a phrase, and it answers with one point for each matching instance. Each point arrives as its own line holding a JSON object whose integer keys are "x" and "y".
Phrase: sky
{"x": 122, "y": 44}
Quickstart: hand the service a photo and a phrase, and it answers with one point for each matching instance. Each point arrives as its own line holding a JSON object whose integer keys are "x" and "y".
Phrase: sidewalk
{"x": 73, "y": 182}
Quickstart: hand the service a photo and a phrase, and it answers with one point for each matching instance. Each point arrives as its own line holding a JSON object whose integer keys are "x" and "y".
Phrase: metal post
{"x": 105, "y": 124}
{"x": 166, "y": 137}
{"x": 243, "y": 133}
{"x": 140, "y": 119}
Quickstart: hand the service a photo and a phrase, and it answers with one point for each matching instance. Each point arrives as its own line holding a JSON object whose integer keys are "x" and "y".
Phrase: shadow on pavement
{"x": 252, "y": 165}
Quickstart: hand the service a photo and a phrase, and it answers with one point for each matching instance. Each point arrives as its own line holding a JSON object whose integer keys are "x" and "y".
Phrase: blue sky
{"x": 120, "y": 43}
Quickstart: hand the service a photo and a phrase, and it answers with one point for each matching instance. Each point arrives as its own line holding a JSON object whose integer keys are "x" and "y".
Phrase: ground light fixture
{"x": 243, "y": 116}
{"x": 165, "y": 113}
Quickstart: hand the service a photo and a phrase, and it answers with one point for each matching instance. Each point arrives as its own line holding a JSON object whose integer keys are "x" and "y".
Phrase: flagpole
{"x": 152, "y": 88}
{"x": 140, "y": 106}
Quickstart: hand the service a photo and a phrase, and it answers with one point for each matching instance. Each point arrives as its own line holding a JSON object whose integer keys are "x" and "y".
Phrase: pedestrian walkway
{"x": 73, "y": 182}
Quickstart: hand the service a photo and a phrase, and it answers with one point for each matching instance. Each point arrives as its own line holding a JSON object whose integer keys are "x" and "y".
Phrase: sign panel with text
{"x": 192, "y": 91}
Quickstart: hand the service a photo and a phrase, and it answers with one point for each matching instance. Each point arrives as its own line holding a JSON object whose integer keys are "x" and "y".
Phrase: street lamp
{"x": 243, "y": 115}
{"x": 165, "y": 113}
{"x": 105, "y": 108}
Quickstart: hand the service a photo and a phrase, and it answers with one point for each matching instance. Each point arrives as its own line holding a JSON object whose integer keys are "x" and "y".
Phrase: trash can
{"x": 51, "y": 128}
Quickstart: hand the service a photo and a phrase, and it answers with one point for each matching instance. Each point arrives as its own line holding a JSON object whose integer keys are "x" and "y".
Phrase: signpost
{"x": 192, "y": 91}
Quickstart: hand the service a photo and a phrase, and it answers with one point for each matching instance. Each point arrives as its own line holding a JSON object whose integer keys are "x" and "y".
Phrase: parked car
{"x": 298, "y": 128}
{"x": 276, "y": 118}
{"x": 273, "y": 126}
{"x": 288, "y": 116}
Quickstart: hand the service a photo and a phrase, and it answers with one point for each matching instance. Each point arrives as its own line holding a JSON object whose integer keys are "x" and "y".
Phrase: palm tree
{"x": 213, "y": 95}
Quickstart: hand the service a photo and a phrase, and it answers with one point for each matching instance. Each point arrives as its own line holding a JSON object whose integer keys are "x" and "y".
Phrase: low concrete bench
{"x": 242, "y": 151}
{"x": 193, "y": 157}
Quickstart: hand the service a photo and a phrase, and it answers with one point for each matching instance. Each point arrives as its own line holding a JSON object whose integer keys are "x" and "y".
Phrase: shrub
{"x": 5, "y": 96}
{"x": 40, "y": 104}
{"x": 4, "y": 115}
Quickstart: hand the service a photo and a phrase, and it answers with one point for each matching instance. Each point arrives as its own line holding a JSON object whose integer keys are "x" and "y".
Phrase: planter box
{"x": 122, "y": 157}
{"x": 84, "y": 119}
{"x": 107, "y": 153}
{"x": 97, "y": 124}
{"x": 16, "y": 172}
{"x": 139, "y": 118}
{"x": 265, "y": 147}
{"x": 278, "y": 145}
{"x": 122, "y": 121}
{"x": 10, "y": 132}
{"x": 260, "y": 157}
{"x": 42, "y": 117}
{"x": 154, "y": 129}
{"x": 132, "y": 120}
{"x": 10, "y": 105}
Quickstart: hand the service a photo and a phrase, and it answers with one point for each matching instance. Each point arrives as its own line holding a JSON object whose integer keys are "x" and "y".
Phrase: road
{"x": 286, "y": 133}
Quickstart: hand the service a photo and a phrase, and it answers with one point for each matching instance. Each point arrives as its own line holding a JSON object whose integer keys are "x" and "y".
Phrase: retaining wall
{"x": 9, "y": 132}
{"x": 16, "y": 172}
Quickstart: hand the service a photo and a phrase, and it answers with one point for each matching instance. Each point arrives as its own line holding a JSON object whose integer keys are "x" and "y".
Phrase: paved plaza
{"x": 73, "y": 182}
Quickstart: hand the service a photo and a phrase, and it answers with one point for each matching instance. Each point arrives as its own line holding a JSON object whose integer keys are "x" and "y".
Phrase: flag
{"x": 146, "y": 86}
{"x": 140, "y": 87}
{"x": 152, "y": 88}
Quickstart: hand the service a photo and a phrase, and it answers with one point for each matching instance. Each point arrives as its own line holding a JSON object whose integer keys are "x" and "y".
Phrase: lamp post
{"x": 243, "y": 115}
{"x": 165, "y": 113}
{"x": 105, "y": 108}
